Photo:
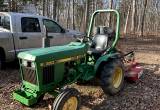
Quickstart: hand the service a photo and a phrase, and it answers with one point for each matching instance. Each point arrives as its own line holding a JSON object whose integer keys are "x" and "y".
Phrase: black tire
{"x": 81, "y": 82}
{"x": 40, "y": 98}
{"x": 66, "y": 95}
{"x": 2, "y": 62}
{"x": 112, "y": 77}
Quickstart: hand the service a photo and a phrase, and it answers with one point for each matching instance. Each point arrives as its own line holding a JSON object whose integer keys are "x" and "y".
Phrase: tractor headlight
{"x": 28, "y": 63}
{"x": 32, "y": 64}
{"x": 24, "y": 62}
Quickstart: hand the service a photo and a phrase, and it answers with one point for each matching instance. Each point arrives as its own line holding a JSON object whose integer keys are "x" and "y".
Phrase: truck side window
{"x": 5, "y": 22}
{"x": 30, "y": 24}
{"x": 51, "y": 26}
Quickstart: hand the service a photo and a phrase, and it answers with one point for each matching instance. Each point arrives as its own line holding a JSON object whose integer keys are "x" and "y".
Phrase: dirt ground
{"x": 142, "y": 95}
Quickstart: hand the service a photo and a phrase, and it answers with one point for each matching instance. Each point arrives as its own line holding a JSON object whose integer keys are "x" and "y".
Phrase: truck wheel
{"x": 112, "y": 77}
{"x": 69, "y": 99}
{"x": 2, "y": 64}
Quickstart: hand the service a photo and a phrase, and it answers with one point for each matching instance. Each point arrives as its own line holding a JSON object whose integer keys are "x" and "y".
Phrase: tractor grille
{"x": 48, "y": 74}
{"x": 29, "y": 75}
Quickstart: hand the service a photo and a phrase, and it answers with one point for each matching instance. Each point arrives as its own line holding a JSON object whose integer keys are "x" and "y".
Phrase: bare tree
{"x": 68, "y": 13}
{"x": 126, "y": 22}
{"x": 143, "y": 16}
{"x": 86, "y": 14}
{"x": 73, "y": 24}
{"x": 108, "y": 20}
{"x": 138, "y": 16}
{"x": 47, "y": 7}
{"x": 54, "y": 9}
{"x": 133, "y": 15}
{"x": 44, "y": 6}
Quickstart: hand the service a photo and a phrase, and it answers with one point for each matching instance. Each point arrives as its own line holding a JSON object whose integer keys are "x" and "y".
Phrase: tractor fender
{"x": 105, "y": 58}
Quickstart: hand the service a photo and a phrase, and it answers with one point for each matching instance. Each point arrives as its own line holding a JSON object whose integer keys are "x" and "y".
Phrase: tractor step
{"x": 24, "y": 97}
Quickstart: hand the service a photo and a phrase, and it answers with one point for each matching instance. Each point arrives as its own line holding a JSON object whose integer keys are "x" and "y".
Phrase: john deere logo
{"x": 62, "y": 60}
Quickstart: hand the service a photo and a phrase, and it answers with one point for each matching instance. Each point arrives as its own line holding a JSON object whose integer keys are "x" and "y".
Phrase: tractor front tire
{"x": 112, "y": 77}
{"x": 69, "y": 99}
{"x": 40, "y": 98}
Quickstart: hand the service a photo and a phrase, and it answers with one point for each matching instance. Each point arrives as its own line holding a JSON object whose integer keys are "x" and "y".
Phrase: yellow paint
{"x": 62, "y": 60}
{"x": 117, "y": 77}
{"x": 71, "y": 104}
{"x": 50, "y": 63}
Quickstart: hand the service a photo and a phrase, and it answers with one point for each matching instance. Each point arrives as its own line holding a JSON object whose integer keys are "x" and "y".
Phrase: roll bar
{"x": 117, "y": 23}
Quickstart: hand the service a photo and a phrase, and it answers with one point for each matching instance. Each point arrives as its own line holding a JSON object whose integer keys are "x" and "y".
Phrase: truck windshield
{"x": 5, "y": 22}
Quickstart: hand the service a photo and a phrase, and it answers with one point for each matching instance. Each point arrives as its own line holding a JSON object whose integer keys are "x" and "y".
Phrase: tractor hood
{"x": 54, "y": 53}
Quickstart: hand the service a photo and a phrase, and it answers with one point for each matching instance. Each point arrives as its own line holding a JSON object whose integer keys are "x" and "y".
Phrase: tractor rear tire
{"x": 112, "y": 77}
{"x": 69, "y": 99}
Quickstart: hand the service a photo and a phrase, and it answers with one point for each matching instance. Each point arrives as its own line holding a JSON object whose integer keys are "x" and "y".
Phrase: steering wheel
{"x": 79, "y": 39}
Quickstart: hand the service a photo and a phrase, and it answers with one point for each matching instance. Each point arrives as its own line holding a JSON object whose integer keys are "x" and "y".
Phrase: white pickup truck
{"x": 20, "y": 32}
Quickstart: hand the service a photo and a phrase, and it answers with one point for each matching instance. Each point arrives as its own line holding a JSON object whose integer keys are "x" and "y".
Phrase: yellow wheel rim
{"x": 117, "y": 77}
{"x": 71, "y": 104}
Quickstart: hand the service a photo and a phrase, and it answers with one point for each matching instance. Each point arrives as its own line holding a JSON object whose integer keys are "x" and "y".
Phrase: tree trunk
{"x": 139, "y": 22}
{"x": 108, "y": 21}
{"x": 143, "y": 16}
{"x": 10, "y": 6}
{"x": 86, "y": 15}
{"x": 157, "y": 21}
{"x": 73, "y": 23}
{"x": 58, "y": 11}
{"x": 44, "y": 7}
{"x": 126, "y": 23}
{"x": 133, "y": 16}
{"x": 68, "y": 14}
{"x": 54, "y": 9}
{"x": 47, "y": 7}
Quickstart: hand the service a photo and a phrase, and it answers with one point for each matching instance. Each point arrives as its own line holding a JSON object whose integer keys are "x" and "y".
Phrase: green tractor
{"x": 51, "y": 69}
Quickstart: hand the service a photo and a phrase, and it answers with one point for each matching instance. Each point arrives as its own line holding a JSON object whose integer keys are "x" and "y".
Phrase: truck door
{"x": 55, "y": 32}
{"x": 31, "y": 36}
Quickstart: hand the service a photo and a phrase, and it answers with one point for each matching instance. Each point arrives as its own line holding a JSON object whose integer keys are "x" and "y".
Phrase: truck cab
{"x": 20, "y": 32}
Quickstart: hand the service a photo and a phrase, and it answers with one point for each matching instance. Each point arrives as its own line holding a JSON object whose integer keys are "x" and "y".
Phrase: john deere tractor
{"x": 51, "y": 69}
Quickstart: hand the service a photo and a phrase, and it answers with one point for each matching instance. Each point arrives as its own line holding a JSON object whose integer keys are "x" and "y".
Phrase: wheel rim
{"x": 71, "y": 104}
{"x": 117, "y": 77}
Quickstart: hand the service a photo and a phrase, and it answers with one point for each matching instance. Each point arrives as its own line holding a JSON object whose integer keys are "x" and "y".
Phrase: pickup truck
{"x": 20, "y": 32}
